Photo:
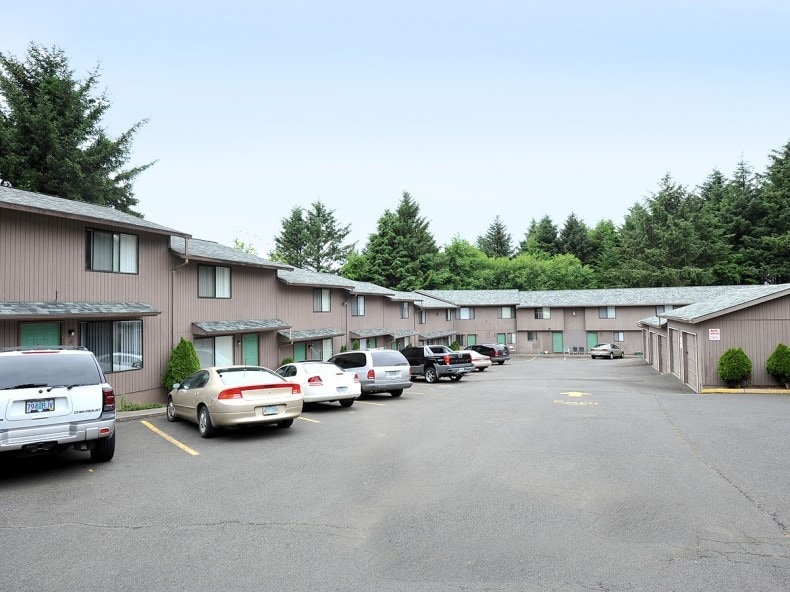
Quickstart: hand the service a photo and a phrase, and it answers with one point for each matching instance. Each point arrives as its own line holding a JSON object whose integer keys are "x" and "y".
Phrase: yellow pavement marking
{"x": 561, "y": 402}
{"x": 170, "y": 439}
{"x": 370, "y": 403}
{"x": 307, "y": 419}
{"x": 576, "y": 394}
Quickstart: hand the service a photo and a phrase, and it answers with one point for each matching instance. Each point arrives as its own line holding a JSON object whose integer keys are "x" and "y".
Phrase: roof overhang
{"x": 206, "y": 328}
{"x": 365, "y": 333}
{"x": 82, "y": 310}
{"x": 308, "y": 334}
{"x": 437, "y": 334}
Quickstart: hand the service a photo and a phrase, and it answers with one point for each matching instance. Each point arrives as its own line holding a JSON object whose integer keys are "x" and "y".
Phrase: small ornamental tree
{"x": 183, "y": 362}
{"x": 734, "y": 367}
{"x": 778, "y": 364}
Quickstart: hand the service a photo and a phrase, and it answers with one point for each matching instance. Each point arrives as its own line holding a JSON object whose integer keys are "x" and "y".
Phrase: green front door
{"x": 249, "y": 349}
{"x": 556, "y": 342}
{"x": 39, "y": 334}
{"x": 592, "y": 340}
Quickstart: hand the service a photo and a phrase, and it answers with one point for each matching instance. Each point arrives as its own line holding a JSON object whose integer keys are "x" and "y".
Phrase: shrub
{"x": 734, "y": 367}
{"x": 287, "y": 360}
{"x": 778, "y": 364}
{"x": 455, "y": 346}
{"x": 183, "y": 362}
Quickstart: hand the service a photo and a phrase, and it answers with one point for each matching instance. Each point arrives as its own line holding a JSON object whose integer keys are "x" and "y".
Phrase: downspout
{"x": 172, "y": 292}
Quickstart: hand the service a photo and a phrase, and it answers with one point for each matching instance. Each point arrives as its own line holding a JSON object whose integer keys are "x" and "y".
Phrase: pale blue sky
{"x": 517, "y": 109}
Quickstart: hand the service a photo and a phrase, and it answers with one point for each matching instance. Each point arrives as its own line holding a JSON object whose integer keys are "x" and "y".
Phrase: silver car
{"x": 606, "y": 350}
{"x": 379, "y": 370}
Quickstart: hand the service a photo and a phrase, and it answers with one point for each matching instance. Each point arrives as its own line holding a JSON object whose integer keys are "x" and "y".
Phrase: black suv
{"x": 498, "y": 353}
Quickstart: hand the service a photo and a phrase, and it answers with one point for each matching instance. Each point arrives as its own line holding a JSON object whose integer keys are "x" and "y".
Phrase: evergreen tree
{"x": 541, "y": 239}
{"x": 772, "y": 237}
{"x": 312, "y": 239}
{"x": 496, "y": 242}
{"x": 604, "y": 241}
{"x": 574, "y": 239}
{"x": 51, "y": 138}
{"x": 402, "y": 254}
{"x": 464, "y": 267}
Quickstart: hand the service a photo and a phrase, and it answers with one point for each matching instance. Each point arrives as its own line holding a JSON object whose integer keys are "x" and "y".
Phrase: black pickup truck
{"x": 435, "y": 361}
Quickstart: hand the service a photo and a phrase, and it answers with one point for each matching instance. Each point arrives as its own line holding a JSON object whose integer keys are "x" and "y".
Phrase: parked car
{"x": 379, "y": 370}
{"x": 323, "y": 382}
{"x": 498, "y": 353}
{"x": 228, "y": 396}
{"x": 436, "y": 361}
{"x": 479, "y": 361}
{"x": 606, "y": 350}
{"x": 53, "y": 398}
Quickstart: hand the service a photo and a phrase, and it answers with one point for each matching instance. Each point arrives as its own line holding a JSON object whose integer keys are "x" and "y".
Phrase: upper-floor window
{"x": 466, "y": 313}
{"x": 112, "y": 251}
{"x": 606, "y": 312}
{"x": 448, "y": 314}
{"x": 213, "y": 282}
{"x": 404, "y": 310}
{"x": 423, "y": 317}
{"x": 664, "y": 308}
{"x": 543, "y": 313}
{"x": 506, "y": 312}
{"x": 321, "y": 300}
{"x": 358, "y": 306}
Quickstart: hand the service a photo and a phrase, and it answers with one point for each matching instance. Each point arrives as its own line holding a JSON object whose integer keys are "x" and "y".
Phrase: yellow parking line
{"x": 170, "y": 439}
{"x": 306, "y": 419}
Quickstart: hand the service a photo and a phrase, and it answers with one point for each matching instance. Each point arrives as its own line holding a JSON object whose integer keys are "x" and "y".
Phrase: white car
{"x": 480, "y": 361}
{"x": 323, "y": 382}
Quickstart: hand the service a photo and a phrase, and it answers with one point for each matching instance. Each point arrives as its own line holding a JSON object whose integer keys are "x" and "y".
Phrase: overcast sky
{"x": 513, "y": 108}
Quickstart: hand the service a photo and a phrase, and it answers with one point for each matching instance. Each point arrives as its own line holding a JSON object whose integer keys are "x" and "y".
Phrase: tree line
{"x": 728, "y": 230}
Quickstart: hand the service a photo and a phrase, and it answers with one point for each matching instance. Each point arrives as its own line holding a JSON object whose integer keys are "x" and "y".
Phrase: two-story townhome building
{"x": 80, "y": 274}
{"x": 434, "y": 321}
{"x": 226, "y": 302}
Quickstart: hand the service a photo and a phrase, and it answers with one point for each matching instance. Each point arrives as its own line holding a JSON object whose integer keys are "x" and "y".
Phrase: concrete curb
{"x": 141, "y": 414}
{"x": 744, "y": 391}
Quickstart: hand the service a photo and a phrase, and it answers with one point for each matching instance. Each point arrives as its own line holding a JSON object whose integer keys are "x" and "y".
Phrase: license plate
{"x": 39, "y": 405}
{"x": 393, "y": 373}
{"x": 342, "y": 390}
{"x": 270, "y": 410}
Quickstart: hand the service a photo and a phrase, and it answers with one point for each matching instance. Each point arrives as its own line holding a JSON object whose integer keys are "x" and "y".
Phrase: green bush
{"x": 287, "y": 360}
{"x": 455, "y": 346}
{"x": 734, "y": 367}
{"x": 183, "y": 362}
{"x": 778, "y": 364}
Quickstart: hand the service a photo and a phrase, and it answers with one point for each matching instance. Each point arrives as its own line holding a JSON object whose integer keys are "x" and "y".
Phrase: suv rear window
{"x": 388, "y": 358}
{"x": 48, "y": 369}
{"x": 352, "y": 360}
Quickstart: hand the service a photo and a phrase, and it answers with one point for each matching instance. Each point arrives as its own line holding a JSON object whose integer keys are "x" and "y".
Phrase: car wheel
{"x": 611, "y": 355}
{"x": 346, "y": 402}
{"x": 456, "y": 377}
{"x": 500, "y": 363}
{"x": 205, "y": 427}
{"x": 481, "y": 369}
{"x": 171, "y": 410}
{"x": 430, "y": 374}
{"x": 286, "y": 423}
{"x": 397, "y": 393}
{"x": 104, "y": 449}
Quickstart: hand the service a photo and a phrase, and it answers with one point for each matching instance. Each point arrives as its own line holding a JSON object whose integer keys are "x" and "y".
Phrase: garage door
{"x": 674, "y": 358}
{"x": 690, "y": 372}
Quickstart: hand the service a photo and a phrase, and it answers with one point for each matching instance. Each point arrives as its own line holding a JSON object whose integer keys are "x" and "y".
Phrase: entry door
{"x": 556, "y": 342}
{"x": 39, "y": 334}
{"x": 249, "y": 349}
{"x": 592, "y": 340}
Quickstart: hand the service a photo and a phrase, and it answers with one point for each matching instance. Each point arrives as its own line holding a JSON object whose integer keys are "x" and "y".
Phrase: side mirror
{"x": 176, "y": 386}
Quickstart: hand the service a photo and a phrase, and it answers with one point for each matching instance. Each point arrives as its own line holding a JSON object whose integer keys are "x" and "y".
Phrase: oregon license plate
{"x": 270, "y": 410}
{"x": 342, "y": 390}
{"x": 39, "y": 405}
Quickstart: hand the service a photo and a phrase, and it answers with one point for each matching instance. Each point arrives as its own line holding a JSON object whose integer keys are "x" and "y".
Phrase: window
{"x": 664, "y": 308}
{"x": 466, "y": 313}
{"x": 321, "y": 300}
{"x": 606, "y": 312}
{"x": 505, "y": 338}
{"x": 618, "y": 336}
{"x": 506, "y": 312}
{"x": 357, "y": 306}
{"x": 532, "y": 335}
{"x": 117, "y": 345}
{"x": 112, "y": 251}
{"x": 448, "y": 314}
{"x": 215, "y": 351}
{"x": 404, "y": 310}
{"x": 543, "y": 313}
{"x": 213, "y": 282}
{"x": 423, "y": 317}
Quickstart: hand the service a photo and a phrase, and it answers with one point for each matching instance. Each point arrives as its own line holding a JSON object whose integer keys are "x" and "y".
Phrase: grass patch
{"x": 124, "y": 405}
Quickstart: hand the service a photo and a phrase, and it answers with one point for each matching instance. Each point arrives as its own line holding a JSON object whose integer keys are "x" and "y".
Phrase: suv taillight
{"x": 108, "y": 398}
{"x": 371, "y": 374}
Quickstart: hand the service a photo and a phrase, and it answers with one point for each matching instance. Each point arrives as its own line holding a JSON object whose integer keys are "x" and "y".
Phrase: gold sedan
{"x": 229, "y": 396}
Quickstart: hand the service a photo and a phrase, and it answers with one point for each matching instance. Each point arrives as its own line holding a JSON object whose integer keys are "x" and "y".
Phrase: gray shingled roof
{"x": 400, "y": 333}
{"x": 302, "y": 277}
{"x": 373, "y": 332}
{"x": 621, "y": 296}
{"x": 22, "y": 310}
{"x": 204, "y": 250}
{"x": 475, "y": 297}
{"x": 66, "y": 208}
{"x": 437, "y": 334}
{"x": 370, "y": 289}
{"x": 422, "y": 300}
{"x": 251, "y": 326}
{"x": 738, "y": 297}
{"x": 303, "y": 335}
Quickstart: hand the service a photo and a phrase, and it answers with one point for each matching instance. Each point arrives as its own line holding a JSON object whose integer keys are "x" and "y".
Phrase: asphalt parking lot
{"x": 552, "y": 473}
